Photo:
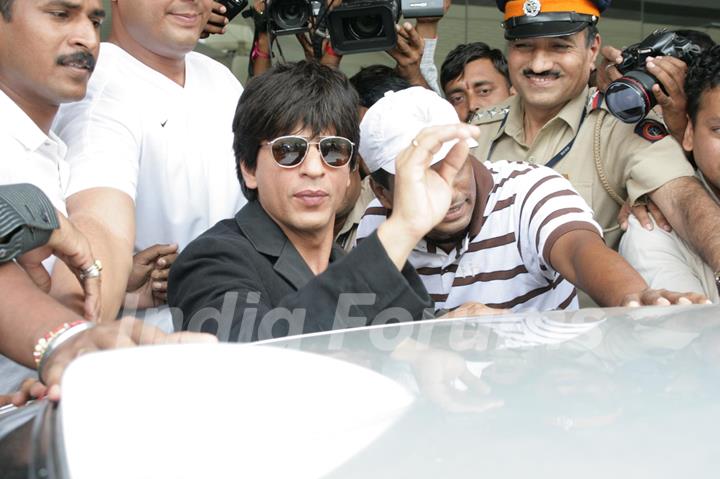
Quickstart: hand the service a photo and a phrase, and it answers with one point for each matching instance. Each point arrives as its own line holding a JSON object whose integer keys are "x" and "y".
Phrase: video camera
{"x": 630, "y": 98}
{"x": 355, "y": 26}
{"x": 288, "y": 17}
{"x": 359, "y": 26}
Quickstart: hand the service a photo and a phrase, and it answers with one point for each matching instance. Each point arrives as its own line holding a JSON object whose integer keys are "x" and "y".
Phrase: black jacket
{"x": 243, "y": 280}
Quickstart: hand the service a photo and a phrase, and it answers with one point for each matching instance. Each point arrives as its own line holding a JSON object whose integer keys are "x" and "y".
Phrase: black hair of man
{"x": 374, "y": 81}
{"x": 702, "y": 39}
{"x": 5, "y": 6}
{"x": 461, "y": 55}
{"x": 289, "y": 97}
{"x": 703, "y": 75}
{"x": 590, "y": 33}
{"x": 382, "y": 178}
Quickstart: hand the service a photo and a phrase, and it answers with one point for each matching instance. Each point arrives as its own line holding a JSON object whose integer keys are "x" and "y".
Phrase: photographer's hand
{"x": 606, "y": 71}
{"x": 217, "y": 23}
{"x": 408, "y": 53}
{"x": 670, "y": 72}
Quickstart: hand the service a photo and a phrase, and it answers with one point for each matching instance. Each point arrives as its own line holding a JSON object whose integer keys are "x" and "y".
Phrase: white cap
{"x": 391, "y": 124}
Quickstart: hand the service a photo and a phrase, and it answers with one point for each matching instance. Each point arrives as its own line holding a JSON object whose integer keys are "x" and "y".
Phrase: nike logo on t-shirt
{"x": 163, "y": 123}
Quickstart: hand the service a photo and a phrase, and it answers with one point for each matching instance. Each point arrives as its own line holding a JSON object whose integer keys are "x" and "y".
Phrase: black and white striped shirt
{"x": 506, "y": 263}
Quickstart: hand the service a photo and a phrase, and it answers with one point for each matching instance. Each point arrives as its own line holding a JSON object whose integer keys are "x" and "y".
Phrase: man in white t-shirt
{"x": 150, "y": 146}
{"x": 517, "y": 236}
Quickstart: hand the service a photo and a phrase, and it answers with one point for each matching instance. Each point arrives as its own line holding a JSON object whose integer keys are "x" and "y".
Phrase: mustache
{"x": 82, "y": 59}
{"x": 547, "y": 73}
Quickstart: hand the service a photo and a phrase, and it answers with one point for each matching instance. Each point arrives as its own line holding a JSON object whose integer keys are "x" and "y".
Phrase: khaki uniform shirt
{"x": 666, "y": 261}
{"x": 634, "y": 166}
{"x": 346, "y": 236}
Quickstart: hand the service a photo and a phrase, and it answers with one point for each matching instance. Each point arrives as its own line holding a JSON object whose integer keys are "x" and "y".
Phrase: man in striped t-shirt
{"x": 517, "y": 236}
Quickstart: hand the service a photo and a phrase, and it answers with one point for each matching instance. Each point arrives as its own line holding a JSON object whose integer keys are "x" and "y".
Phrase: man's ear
{"x": 248, "y": 176}
{"x": 594, "y": 50}
{"x": 382, "y": 194}
{"x": 687, "y": 142}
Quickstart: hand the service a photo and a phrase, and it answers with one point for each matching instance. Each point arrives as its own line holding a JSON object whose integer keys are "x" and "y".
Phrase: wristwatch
{"x": 717, "y": 280}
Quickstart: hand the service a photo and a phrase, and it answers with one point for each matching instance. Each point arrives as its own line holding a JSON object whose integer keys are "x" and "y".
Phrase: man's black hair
{"x": 5, "y": 6}
{"x": 382, "y": 178}
{"x": 703, "y": 75}
{"x": 702, "y": 39}
{"x": 461, "y": 55}
{"x": 374, "y": 81}
{"x": 590, "y": 33}
{"x": 287, "y": 97}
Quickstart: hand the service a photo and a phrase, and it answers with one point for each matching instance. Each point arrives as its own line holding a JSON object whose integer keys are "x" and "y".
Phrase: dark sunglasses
{"x": 290, "y": 151}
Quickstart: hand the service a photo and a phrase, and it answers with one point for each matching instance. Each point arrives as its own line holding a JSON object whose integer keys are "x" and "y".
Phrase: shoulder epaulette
{"x": 496, "y": 113}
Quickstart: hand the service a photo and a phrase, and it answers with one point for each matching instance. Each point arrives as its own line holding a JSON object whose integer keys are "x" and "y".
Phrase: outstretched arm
{"x": 582, "y": 257}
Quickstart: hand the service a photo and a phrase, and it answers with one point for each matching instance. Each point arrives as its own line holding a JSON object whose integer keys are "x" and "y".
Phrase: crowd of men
{"x": 308, "y": 201}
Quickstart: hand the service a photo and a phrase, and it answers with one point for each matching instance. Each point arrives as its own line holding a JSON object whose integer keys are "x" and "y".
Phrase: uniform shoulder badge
{"x": 490, "y": 115}
{"x": 595, "y": 101}
{"x": 651, "y": 130}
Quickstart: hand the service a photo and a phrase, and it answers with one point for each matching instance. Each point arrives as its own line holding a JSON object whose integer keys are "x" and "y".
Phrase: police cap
{"x": 549, "y": 18}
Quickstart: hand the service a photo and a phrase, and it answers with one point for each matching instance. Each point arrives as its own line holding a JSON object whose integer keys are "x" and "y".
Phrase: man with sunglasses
{"x": 273, "y": 270}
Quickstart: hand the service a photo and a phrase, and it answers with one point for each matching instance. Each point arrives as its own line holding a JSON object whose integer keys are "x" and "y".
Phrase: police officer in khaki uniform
{"x": 557, "y": 121}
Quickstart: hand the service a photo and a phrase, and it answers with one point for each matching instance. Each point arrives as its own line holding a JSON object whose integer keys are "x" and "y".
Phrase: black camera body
{"x": 422, "y": 8}
{"x": 359, "y": 26}
{"x": 233, "y": 7}
{"x": 288, "y": 17}
{"x": 630, "y": 98}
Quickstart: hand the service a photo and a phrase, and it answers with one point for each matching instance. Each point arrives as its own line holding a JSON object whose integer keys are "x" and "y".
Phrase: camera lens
{"x": 366, "y": 26}
{"x": 291, "y": 14}
{"x": 630, "y": 98}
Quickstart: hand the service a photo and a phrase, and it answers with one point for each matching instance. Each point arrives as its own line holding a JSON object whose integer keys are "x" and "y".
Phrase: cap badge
{"x": 531, "y": 7}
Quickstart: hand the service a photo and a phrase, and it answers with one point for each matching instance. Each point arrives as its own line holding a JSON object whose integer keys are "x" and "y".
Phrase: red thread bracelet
{"x": 256, "y": 53}
{"x": 329, "y": 50}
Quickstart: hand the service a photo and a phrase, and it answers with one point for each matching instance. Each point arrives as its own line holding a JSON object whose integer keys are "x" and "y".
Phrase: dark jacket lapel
{"x": 268, "y": 239}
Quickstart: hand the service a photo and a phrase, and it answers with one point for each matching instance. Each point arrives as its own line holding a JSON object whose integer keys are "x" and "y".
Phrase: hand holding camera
{"x": 220, "y": 15}
{"x": 408, "y": 53}
{"x": 653, "y": 72}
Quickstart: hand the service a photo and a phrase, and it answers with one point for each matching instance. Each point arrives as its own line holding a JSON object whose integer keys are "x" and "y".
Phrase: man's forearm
{"x": 693, "y": 215}
{"x": 427, "y": 29}
{"x": 583, "y": 259}
{"x": 116, "y": 256}
{"x": 26, "y": 315}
